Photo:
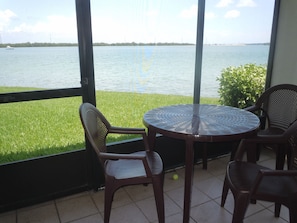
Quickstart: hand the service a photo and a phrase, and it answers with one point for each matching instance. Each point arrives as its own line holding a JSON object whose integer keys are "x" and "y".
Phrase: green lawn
{"x": 38, "y": 128}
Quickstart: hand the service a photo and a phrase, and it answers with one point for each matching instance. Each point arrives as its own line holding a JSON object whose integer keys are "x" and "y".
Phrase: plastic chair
{"x": 120, "y": 170}
{"x": 250, "y": 181}
{"x": 277, "y": 108}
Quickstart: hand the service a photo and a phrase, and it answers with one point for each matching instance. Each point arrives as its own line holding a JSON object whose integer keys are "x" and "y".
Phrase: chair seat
{"x": 270, "y": 132}
{"x": 243, "y": 175}
{"x": 125, "y": 169}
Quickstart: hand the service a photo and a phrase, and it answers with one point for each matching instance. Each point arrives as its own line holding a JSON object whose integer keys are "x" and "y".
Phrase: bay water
{"x": 141, "y": 69}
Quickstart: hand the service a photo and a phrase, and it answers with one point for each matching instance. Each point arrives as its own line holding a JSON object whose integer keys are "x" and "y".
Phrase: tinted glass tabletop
{"x": 202, "y": 121}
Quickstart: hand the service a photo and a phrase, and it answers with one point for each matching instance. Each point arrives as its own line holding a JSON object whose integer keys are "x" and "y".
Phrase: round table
{"x": 205, "y": 123}
{"x": 199, "y": 122}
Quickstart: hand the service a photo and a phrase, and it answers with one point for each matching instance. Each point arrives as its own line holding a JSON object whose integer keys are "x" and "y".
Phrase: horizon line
{"x": 126, "y": 44}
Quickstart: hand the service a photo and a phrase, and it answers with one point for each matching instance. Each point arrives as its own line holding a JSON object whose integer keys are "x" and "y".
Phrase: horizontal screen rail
{"x": 40, "y": 95}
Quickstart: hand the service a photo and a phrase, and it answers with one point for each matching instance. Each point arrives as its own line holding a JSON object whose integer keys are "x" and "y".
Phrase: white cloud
{"x": 20, "y": 28}
{"x": 5, "y": 17}
{"x": 232, "y": 14}
{"x": 210, "y": 15}
{"x": 224, "y": 3}
{"x": 152, "y": 13}
{"x": 54, "y": 27}
{"x": 189, "y": 13}
{"x": 61, "y": 24}
{"x": 107, "y": 29}
{"x": 246, "y": 3}
{"x": 53, "y": 24}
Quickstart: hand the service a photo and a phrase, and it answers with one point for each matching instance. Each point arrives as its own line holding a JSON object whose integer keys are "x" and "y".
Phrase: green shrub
{"x": 241, "y": 86}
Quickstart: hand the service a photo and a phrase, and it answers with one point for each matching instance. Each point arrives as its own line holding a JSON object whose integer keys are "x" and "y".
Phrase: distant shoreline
{"x": 28, "y": 44}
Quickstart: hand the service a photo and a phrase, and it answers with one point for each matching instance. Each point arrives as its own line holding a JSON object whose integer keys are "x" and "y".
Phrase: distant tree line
{"x": 28, "y": 44}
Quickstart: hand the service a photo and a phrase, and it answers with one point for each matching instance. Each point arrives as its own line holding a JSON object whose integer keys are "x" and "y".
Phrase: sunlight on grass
{"x": 45, "y": 127}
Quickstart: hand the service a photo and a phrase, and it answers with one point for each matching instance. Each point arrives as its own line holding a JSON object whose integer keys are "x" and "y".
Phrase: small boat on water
{"x": 9, "y": 48}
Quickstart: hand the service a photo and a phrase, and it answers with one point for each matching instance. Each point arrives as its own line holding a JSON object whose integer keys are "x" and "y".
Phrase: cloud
{"x": 246, "y": 3}
{"x": 241, "y": 3}
{"x": 52, "y": 24}
{"x": 57, "y": 28}
{"x": 5, "y": 17}
{"x": 232, "y": 14}
{"x": 224, "y": 3}
{"x": 190, "y": 13}
{"x": 61, "y": 24}
{"x": 210, "y": 15}
{"x": 193, "y": 11}
{"x": 152, "y": 13}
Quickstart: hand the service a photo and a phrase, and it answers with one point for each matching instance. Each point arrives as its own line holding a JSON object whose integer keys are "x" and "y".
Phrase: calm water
{"x": 147, "y": 69}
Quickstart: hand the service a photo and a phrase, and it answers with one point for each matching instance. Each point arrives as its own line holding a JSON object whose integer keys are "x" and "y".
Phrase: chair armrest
{"x": 278, "y": 172}
{"x": 116, "y": 156}
{"x": 248, "y": 144}
{"x": 274, "y": 139}
{"x": 265, "y": 139}
{"x": 139, "y": 131}
{"x": 122, "y": 130}
{"x": 252, "y": 108}
{"x": 291, "y": 130}
{"x": 269, "y": 173}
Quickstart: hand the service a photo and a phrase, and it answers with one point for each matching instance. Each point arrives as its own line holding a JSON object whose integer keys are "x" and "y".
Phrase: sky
{"x": 150, "y": 21}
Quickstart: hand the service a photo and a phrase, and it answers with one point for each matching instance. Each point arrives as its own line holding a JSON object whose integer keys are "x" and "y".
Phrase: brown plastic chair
{"x": 120, "y": 170}
{"x": 250, "y": 181}
{"x": 278, "y": 108}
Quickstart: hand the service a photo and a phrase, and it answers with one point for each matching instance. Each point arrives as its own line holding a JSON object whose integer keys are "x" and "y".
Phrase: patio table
{"x": 198, "y": 123}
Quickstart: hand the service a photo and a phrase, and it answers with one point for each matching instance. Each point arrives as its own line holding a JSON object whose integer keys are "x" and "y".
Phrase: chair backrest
{"x": 95, "y": 125}
{"x": 280, "y": 104}
{"x": 292, "y": 134}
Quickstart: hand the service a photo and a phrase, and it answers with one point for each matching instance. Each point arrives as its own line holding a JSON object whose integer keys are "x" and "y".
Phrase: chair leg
{"x": 258, "y": 153}
{"x": 252, "y": 153}
{"x": 293, "y": 214}
{"x": 277, "y": 208}
{"x": 241, "y": 202}
{"x": 224, "y": 193}
{"x": 108, "y": 198}
{"x": 204, "y": 157}
{"x": 280, "y": 158}
{"x": 233, "y": 150}
{"x": 280, "y": 163}
{"x": 158, "y": 183}
{"x": 289, "y": 157}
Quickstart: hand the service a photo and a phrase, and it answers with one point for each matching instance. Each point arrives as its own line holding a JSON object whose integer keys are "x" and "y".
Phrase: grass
{"x": 45, "y": 127}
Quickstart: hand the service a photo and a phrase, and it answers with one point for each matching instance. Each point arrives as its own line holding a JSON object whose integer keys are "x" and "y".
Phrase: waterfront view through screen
{"x": 141, "y": 69}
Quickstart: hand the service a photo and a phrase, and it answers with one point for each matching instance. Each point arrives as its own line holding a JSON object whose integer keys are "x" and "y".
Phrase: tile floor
{"x": 135, "y": 204}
